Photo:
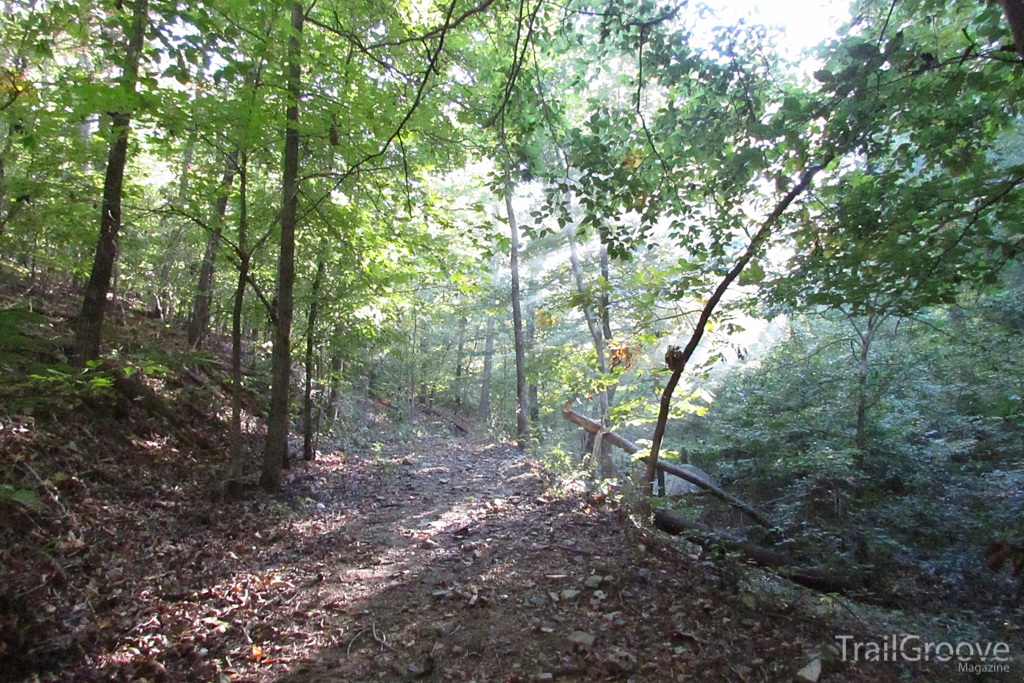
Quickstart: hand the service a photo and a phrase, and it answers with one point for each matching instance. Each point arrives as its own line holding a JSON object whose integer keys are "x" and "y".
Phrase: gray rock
{"x": 676, "y": 486}
{"x": 582, "y": 638}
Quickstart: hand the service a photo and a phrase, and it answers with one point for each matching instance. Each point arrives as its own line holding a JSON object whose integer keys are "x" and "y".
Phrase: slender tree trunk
{"x": 1014, "y": 10}
{"x": 336, "y": 368}
{"x": 3, "y": 178}
{"x": 307, "y": 401}
{"x": 237, "y": 468}
{"x": 275, "y": 454}
{"x": 331, "y": 410}
{"x": 7, "y": 213}
{"x": 522, "y": 397}
{"x": 531, "y": 387}
{"x": 606, "y": 317}
{"x": 412, "y": 366}
{"x": 605, "y": 467}
{"x": 163, "y": 297}
{"x": 677, "y": 359}
{"x": 458, "y": 362}
{"x": 860, "y": 439}
{"x": 593, "y": 325}
{"x": 85, "y": 125}
{"x": 199, "y": 323}
{"x": 90, "y": 322}
{"x": 423, "y": 367}
{"x": 485, "y": 377}
{"x": 863, "y": 370}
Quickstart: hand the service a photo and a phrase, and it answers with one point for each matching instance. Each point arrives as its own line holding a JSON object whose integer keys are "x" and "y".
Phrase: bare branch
{"x": 676, "y": 358}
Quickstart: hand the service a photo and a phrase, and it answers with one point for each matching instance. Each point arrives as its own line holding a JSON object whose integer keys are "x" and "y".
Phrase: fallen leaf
{"x": 582, "y": 638}
{"x": 810, "y": 673}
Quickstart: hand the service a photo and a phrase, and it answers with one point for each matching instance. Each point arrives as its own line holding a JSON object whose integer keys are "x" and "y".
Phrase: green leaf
{"x": 25, "y": 497}
{"x": 894, "y": 44}
{"x": 863, "y": 51}
{"x": 753, "y": 274}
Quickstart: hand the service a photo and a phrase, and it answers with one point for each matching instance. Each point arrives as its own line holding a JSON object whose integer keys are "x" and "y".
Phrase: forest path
{"x": 433, "y": 558}
{"x": 448, "y": 560}
{"x": 430, "y": 558}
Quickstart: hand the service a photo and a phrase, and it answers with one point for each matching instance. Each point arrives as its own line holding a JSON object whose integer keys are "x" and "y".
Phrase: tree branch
{"x": 676, "y": 359}
{"x": 432, "y": 59}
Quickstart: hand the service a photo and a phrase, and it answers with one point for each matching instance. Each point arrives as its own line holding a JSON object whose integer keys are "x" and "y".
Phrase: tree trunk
{"x": 3, "y": 178}
{"x": 606, "y": 316}
{"x": 411, "y": 396}
{"x": 611, "y": 438}
{"x": 677, "y": 359}
{"x": 522, "y": 397}
{"x": 336, "y": 368}
{"x": 90, "y": 322}
{"x": 534, "y": 406}
{"x": 531, "y": 388}
{"x": 458, "y": 362}
{"x": 275, "y": 453}
{"x": 863, "y": 371}
{"x": 707, "y": 538}
{"x": 602, "y": 450}
{"x": 718, "y": 493}
{"x": 237, "y": 468}
{"x": 860, "y": 438}
{"x": 485, "y": 377}
{"x": 593, "y": 427}
{"x": 7, "y": 213}
{"x": 1015, "y": 16}
{"x": 307, "y": 400}
{"x": 199, "y": 323}
{"x": 424, "y": 366}
{"x": 163, "y": 295}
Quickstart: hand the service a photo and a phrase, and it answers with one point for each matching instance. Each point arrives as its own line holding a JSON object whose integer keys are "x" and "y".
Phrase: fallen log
{"x": 706, "y": 537}
{"x": 448, "y": 417}
{"x": 762, "y": 557}
{"x": 595, "y": 427}
{"x": 716, "y": 492}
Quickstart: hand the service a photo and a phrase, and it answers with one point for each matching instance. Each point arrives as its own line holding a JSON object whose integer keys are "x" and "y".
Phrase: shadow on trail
{"x": 474, "y": 574}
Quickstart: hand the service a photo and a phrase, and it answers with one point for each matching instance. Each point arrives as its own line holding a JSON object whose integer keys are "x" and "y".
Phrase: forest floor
{"x": 432, "y": 558}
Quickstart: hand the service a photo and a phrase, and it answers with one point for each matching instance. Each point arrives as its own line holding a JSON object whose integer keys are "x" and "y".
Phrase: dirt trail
{"x": 447, "y": 560}
{"x": 435, "y": 559}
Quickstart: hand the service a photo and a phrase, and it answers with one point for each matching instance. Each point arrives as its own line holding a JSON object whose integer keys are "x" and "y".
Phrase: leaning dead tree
{"x": 708, "y": 538}
{"x": 677, "y": 358}
{"x": 629, "y": 447}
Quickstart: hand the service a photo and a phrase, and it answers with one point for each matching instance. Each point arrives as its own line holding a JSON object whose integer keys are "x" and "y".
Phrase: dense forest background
{"x": 500, "y": 211}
